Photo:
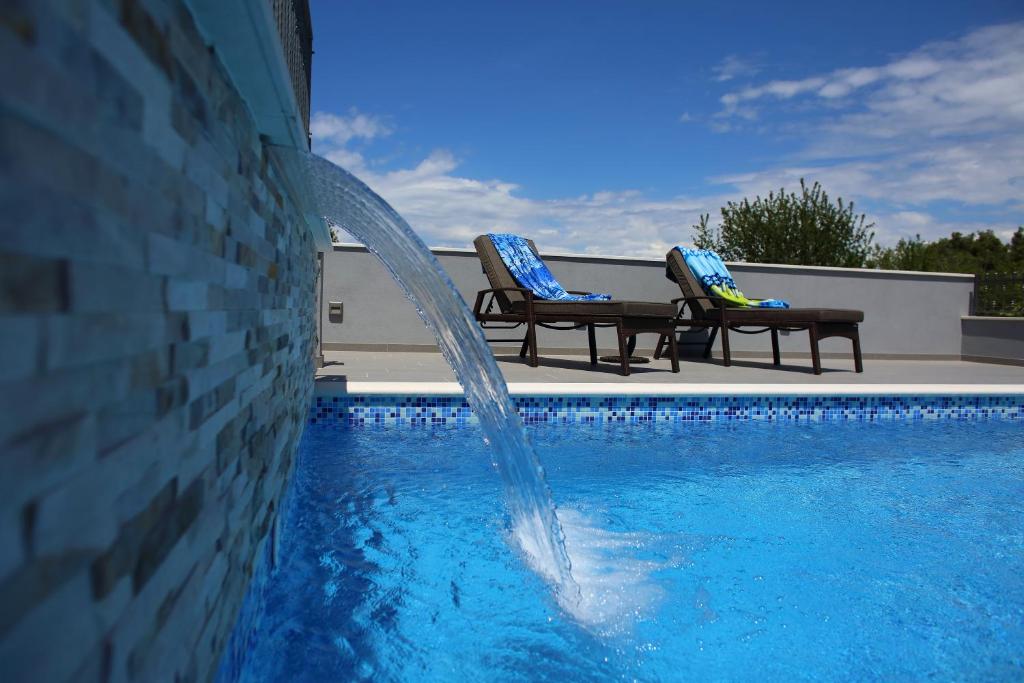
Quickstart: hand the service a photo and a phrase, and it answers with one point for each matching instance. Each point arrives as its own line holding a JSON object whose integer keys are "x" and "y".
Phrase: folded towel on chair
{"x": 531, "y": 273}
{"x": 715, "y": 279}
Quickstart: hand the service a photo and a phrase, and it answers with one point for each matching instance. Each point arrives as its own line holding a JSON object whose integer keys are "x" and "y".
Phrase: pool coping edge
{"x": 347, "y": 388}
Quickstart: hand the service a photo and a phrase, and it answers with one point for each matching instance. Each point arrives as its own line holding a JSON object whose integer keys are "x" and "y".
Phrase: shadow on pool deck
{"x": 374, "y": 366}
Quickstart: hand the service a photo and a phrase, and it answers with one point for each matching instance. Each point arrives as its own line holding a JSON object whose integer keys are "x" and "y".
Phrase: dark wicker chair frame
{"x": 714, "y": 314}
{"x": 508, "y": 306}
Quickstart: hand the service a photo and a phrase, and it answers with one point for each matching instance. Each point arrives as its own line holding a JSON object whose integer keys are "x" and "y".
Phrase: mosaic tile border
{"x": 356, "y": 410}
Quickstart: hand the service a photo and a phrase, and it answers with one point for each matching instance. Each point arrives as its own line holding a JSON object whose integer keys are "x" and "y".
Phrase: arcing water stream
{"x": 348, "y": 203}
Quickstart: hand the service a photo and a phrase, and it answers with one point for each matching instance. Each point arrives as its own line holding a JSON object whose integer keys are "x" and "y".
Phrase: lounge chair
{"x": 518, "y": 305}
{"x": 715, "y": 313}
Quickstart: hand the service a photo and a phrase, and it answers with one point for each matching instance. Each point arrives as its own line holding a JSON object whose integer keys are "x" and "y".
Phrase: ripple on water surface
{"x": 768, "y": 551}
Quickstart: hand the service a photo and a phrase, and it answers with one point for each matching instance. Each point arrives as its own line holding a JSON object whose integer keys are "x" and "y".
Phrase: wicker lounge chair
{"x": 508, "y": 306}
{"x": 716, "y": 314}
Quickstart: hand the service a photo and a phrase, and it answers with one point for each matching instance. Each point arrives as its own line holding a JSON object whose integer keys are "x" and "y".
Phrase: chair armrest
{"x": 522, "y": 290}
{"x": 720, "y": 304}
{"x": 718, "y": 301}
{"x": 527, "y": 294}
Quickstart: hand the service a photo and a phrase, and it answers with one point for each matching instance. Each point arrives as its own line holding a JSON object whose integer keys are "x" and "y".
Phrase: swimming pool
{"x": 721, "y": 549}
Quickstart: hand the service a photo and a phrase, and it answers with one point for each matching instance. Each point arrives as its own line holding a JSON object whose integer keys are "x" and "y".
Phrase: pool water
{"x": 740, "y": 551}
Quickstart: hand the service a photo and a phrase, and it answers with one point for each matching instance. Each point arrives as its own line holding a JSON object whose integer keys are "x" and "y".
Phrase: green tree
{"x": 1017, "y": 250}
{"x": 981, "y": 252}
{"x": 908, "y": 254}
{"x": 801, "y": 229}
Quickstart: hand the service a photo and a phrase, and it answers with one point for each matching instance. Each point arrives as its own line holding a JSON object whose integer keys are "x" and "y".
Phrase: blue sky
{"x": 608, "y": 127}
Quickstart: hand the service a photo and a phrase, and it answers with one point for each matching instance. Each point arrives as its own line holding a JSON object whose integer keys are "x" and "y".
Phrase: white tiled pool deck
{"x": 368, "y": 372}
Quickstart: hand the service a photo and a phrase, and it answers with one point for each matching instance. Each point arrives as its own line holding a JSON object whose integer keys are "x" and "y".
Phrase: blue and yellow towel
{"x": 715, "y": 279}
{"x": 531, "y": 273}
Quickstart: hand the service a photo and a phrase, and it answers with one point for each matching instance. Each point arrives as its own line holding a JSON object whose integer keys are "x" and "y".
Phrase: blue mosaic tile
{"x": 453, "y": 410}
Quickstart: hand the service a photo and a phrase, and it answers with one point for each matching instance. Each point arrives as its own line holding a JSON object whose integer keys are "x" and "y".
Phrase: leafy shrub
{"x": 801, "y": 229}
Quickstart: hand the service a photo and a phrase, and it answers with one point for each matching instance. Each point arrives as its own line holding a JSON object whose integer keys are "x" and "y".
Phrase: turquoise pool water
{"x": 742, "y": 551}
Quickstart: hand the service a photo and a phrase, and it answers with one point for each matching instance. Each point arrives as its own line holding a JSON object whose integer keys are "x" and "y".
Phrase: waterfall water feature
{"x": 348, "y": 203}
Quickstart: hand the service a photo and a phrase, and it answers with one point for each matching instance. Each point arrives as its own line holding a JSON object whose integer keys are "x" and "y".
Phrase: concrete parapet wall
{"x": 907, "y": 315}
{"x": 156, "y": 336}
{"x": 993, "y": 340}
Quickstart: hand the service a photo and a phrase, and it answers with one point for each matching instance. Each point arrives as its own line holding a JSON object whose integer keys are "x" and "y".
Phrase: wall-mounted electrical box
{"x": 336, "y": 311}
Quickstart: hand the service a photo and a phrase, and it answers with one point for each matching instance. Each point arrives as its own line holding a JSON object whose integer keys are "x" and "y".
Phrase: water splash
{"x": 347, "y": 202}
{"x": 616, "y": 572}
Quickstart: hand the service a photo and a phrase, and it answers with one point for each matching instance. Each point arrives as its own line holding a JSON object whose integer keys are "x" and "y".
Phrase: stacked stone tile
{"x": 156, "y": 342}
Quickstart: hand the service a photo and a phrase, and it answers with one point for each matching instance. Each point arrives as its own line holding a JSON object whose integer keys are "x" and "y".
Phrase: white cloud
{"x": 339, "y": 130}
{"x": 346, "y": 158}
{"x": 890, "y": 227}
{"x": 977, "y": 79}
{"x": 447, "y": 209}
{"x": 942, "y": 124}
{"x": 978, "y": 172}
{"x": 732, "y": 67}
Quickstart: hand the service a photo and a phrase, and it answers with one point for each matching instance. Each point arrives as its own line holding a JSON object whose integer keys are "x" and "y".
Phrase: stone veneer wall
{"x": 156, "y": 341}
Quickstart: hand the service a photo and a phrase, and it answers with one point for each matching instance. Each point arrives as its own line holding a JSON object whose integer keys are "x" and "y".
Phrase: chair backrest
{"x": 497, "y": 272}
{"x": 680, "y": 273}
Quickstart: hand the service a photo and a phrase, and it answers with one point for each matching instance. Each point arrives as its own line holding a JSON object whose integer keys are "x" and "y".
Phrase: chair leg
{"x": 775, "y": 347}
{"x": 674, "y": 350}
{"x": 631, "y": 344}
{"x": 858, "y": 364}
{"x": 592, "y": 340}
{"x": 526, "y": 345}
{"x": 623, "y": 352}
{"x": 711, "y": 342}
{"x": 725, "y": 345}
{"x": 662, "y": 341}
{"x": 815, "y": 356}
{"x": 531, "y": 337}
